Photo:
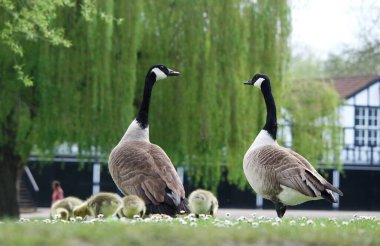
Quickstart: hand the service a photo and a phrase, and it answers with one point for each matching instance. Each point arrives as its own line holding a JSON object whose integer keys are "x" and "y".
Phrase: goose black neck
{"x": 271, "y": 123}
{"x": 142, "y": 116}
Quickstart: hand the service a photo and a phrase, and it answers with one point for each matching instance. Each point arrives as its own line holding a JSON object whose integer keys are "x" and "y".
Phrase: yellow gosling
{"x": 203, "y": 202}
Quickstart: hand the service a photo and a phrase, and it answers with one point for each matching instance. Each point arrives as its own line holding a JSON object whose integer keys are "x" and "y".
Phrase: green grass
{"x": 190, "y": 231}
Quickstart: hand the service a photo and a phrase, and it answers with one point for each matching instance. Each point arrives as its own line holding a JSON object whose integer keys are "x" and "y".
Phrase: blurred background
{"x": 72, "y": 74}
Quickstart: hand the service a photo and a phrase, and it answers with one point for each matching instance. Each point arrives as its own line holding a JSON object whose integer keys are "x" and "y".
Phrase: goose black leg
{"x": 280, "y": 209}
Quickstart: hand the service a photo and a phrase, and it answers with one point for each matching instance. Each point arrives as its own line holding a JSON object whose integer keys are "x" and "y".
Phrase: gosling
{"x": 203, "y": 202}
{"x": 64, "y": 208}
{"x": 132, "y": 205}
{"x": 105, "y": 203}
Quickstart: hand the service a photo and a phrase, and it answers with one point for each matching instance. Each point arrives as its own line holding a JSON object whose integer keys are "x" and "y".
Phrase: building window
{"x": 372, "y": 138}
{"x": 366, "y": 126}
{"x": 359, "y": 137}
{"x": 360, "y": 116}
{"x": 372, "y": 117}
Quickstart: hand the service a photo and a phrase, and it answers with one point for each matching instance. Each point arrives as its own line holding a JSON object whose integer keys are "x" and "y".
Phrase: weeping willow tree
{"x": 208, "y": 118}
{"x": 267, "y": 53}
{"x": 87, "y": 94}
{"x": 80, "y": 94}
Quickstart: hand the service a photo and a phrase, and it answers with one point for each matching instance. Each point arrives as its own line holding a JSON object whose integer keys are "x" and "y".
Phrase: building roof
{"x": 348, "y": 86}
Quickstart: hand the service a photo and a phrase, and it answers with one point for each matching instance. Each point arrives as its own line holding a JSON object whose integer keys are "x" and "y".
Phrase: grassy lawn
{"x": 190, "y": 231}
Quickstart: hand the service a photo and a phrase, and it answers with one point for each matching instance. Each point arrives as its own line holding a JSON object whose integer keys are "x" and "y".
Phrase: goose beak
{"x": 173, "y": 73}
{"x": 248, "y": 83}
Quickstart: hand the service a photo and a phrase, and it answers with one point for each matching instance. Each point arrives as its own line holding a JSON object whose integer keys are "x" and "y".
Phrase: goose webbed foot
{"x": 280, "y": 209}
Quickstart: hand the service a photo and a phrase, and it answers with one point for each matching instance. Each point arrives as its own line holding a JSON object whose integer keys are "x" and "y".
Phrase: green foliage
{"x": 311, "y": 111}
{"x": 310, "y": 104}
{"x": 22, "y": 76}
{"x": 87, "y": 94}
{"x": 30, "y": 20}
{"x": 36, "y": 21}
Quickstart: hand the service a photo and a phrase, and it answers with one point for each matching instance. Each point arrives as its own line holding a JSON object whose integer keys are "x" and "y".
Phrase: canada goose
{"x": 203, "y": 202}
{"x": 276, "y": 173}
{"x": 105, "y": 203}
{"x": 141, "y": 168}
{"x": 132, "y": 205}
{"x": 64, "y": 207}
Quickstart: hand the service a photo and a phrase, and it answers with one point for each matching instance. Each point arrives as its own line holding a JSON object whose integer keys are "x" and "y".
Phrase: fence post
{"x": 336, "y": 181}
{"x": 259, "y": 201}
{"x": 95, "y": 178}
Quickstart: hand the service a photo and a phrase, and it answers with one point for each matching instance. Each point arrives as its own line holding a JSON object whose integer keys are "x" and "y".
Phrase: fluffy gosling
{"x": 203, "y": 202}
{"x": 132, "y": 205}
{"x": 64, "y": 208}
{"x": 105, "y": 203}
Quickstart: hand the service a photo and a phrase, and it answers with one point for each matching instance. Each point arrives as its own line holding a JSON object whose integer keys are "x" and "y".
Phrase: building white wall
{"x": 370, "y": 96}
{"x": 361, "y": 98}
{"x": 352, "y": 154}
{"x": 374, "y": 94}
{"x": 367, "y": 97}
{"x": 346, "y": 112}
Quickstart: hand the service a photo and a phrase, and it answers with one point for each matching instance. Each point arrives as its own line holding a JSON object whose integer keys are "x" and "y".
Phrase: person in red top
{"x": 57, "y": 191}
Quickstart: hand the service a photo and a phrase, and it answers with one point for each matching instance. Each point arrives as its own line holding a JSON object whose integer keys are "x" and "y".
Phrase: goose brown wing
{"x": 300, "y": 159}
{"x": 143, "y": 169}
{"x": 307, "y": 164}
{"x": 291, "y": 173}
{"x": 167, "y": 171}
{"x": 302, "y": 180}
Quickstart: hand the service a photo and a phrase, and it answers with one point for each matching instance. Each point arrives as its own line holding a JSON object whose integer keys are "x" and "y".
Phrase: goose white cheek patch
{"x": 159, "y": 73}
{"x": 258, "y": 82}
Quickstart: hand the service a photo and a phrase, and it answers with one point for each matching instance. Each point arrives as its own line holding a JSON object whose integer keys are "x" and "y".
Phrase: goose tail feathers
{"x": 164, "y": 208}
{"x": 333, "y": 188}
{"x": 329, "y": 196}
{"x": 184, "y": 206}
{"x": 326, "y": 190}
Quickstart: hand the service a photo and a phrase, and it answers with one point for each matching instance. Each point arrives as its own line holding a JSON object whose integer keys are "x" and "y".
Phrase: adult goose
{"x": 141, "y": 168}
{"x": 276, "y": 173}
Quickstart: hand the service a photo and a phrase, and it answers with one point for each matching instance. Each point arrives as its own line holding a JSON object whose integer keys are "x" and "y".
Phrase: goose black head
{"x": 258, "y": 80}
{"x": 161, "y": 72}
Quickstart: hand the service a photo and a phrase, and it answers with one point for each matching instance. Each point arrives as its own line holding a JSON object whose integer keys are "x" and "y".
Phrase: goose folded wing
{"x": 293, "y": 174}
{"x": 294, "y": 171}
{"x": 287, "y": 171}
{"x": 310, "y": 170}
{"x": 167, "y": 171}
{"x": 143, "y": 182}
{"x": 141, "y": 171}
{"x": 299, "y": 179}
{"x": 301, "y": 160}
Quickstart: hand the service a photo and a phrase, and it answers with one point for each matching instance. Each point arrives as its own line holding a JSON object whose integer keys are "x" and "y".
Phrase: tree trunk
{"x": 9, "y": 163}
